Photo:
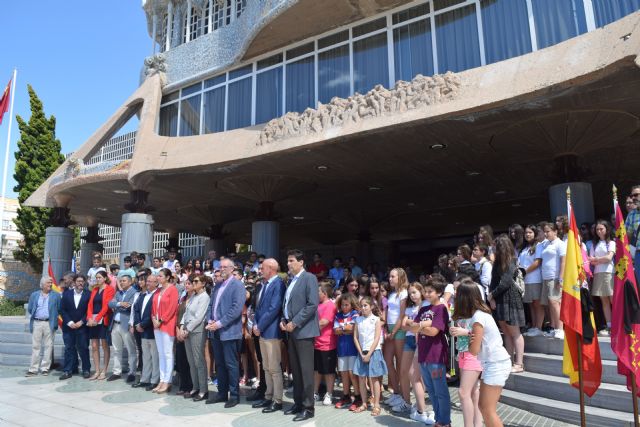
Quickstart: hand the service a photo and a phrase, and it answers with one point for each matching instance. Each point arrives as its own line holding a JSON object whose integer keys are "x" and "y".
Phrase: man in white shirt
{"x": 73, "y": 309}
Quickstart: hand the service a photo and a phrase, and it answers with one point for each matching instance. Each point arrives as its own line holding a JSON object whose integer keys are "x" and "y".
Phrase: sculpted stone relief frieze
{"x": 421, "y": 92}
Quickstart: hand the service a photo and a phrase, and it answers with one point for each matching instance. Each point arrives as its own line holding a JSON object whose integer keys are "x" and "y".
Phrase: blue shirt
{"x": 346, "y": 346}
{"x": 336, "y": 274}
{"x": 42, "y": 312}
{"x": 632, "y": 223}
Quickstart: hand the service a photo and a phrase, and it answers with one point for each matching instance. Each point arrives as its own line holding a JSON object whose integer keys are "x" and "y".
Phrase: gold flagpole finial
{"x": 615, "y": 193}
{"x": 569, "y": 193}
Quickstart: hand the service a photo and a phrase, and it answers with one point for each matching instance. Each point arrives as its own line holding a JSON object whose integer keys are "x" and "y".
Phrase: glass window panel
{"x": 457, "y": 39}
{"x": 411, "y": 13}
{"x": 239, "y": 72}
{"x": 239, "y": 104}
{"x": 190, "y": 116}
{"x": 191, "y": 89}
{"x": 369, "y": 27}
{"x": 214, "y": 110}
{"x": 413, "y": 53}
{"x": 370, "y": 63}
{"x": 170, "y": 97}
{"x": 333, "y": 39}
{"x": 334, "y": 78}
{"x": 169, "y": 120}
{"x": 268, "y": 95}
{"x": 215, "y": 81}
{"x": 441, "y": 4}
{"x": 558, "y": 20}
{"x": 300, "y": 50}
{"x": 506, "y": 29}
{"x": 268, "y": 62}
{"x": 607, "y": 11}
{"x": 300, "y": 85}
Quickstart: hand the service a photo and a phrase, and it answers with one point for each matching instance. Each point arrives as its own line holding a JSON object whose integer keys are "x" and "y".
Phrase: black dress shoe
{"x": 216, "y": 399}
{"x": 274, "y": 407}
{"x": 256, "y": 395}
{"x": 131, "y": 378}
{"x": 294, "y": 410}
{"x": 114, "y": 377}
{"x": 151, "y": 387}
{"x": 65, "y": 376}
{"x": 262, "y": 404}
{"x": 303, "y": 415}
{"x": 137, "y": 385}
{"x": 199, "y": 397}
{"x": 190, "y": 395}
{"x": 86, "y": 375}
{"x": 231, "y": 403}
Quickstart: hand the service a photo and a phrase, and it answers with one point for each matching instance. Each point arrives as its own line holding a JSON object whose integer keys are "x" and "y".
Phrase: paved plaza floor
{"x": 47, "y": 402}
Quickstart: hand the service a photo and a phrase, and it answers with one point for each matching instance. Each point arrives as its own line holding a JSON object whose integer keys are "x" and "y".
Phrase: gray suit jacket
{"x": 128, "y": 296}
{"x": 303, "y": 306}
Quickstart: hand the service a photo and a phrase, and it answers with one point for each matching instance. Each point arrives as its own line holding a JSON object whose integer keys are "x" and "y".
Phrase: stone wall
{"x": 17, "y": 280}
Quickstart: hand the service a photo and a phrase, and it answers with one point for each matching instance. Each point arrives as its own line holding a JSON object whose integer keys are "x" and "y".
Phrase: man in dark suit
{"x": 73, "y": 309}
{"x": 225, "y": 333}
{"x": 300, "y": 322}
{"x": 142, "y": 323}
{"x": 268, "y": 309}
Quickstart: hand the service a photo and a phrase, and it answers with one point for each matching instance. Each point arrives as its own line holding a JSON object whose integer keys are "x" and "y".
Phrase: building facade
{"x": 10, "y": 236}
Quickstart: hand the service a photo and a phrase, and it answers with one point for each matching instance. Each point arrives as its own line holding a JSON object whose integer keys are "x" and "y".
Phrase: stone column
{"x": 58, "y": 244}
{"x": 169, "y": 29}
{"x": 581, "y": 200}
{"x": 136, "y": 235}
{"x": 154, "y": 34}
{"x": 265, "y": 232}
{"x": 90, "y": 245}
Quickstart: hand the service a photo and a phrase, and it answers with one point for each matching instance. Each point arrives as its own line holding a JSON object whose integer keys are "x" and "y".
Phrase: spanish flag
{"x": 625, "y": 313}
{"x": 577, "y": 319}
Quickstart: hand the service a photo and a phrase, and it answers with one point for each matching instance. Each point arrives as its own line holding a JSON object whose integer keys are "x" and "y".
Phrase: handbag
{"x": 518, "y": 280}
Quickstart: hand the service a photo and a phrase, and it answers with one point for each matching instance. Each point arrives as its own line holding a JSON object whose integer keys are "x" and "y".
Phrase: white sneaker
{"x": 327, "y": 400}
{"x": 393, "y": 400}
{"x": 255, "y": 385}
{"x": 558, "y": 334}
{"x": 427, "y": 418}
{"x": 603, "y": 333}
{"x": 402, "y": 407}
{"x": 534, "y": 332}
{"x": 549, "y": 334}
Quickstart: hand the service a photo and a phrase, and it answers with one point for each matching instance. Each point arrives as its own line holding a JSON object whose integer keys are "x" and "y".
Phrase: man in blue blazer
{"x": 225, "y": 333}
{"x": 142, "y": 323}
{"x": 268, "y": 312}
{"x": 43, "y": 310}
{"x": 73, "y": 309}
{"x": 121, "y": 337}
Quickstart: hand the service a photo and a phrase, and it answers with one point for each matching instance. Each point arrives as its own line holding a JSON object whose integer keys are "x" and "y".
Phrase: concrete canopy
{"x": 503, "y": 137}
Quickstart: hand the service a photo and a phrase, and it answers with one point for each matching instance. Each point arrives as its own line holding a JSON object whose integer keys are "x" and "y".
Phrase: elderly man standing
{"x": 120, "y": 335}
{"x": 268, "y": 311}
{"x": 225, "y": 332}
{"x": 73, "y": 309}
{"x": 43, "y": 310}
{"x": 300, "y": 322}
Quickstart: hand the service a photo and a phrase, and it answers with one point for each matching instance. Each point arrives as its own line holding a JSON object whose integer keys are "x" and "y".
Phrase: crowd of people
{"x": 229, "y": 323}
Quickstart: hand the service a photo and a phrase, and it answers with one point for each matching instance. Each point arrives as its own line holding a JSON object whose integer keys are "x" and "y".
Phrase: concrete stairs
{"x": 15, "y": 342}
{"x": 544, "y": 390}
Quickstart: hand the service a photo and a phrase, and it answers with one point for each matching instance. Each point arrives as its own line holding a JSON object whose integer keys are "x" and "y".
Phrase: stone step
{"x": 608, "y": 396}
{"x": 14, "y": 324}
{"x": 25, "y": 360}
{"x": 25, "y": 349}
{"x": 547, "y": 345}
{"x": 567, "y": 412}
{"x": 551, "y": 364}
{"x": 23, "y": 338}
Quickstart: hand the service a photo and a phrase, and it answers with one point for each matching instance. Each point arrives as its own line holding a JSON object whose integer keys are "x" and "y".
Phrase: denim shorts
{"x": 409, "y": 343}
{"x": 496, "y": 373}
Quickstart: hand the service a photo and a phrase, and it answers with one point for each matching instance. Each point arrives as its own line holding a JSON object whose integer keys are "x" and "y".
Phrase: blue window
{"x": 370, "y": 63}
{"x": 300, "y": 85}
{"x": 413, "y": 53}
{"x": 268, "y": 95}
{"x": 558, "y": 20}
{"x": 457, "y": 40}
{"x": 214, "y": 110}
{"x": 190, "y": 116}
{"x": 334, "y": 78}
{"x": 607, "y": 11}
{"x": 169, "y": 120}
{"x": 239, "y": 104}
{"x": 506, "y": 29}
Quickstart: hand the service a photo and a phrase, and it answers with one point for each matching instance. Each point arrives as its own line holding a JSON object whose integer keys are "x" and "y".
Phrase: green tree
{"x": 38, "y": 156}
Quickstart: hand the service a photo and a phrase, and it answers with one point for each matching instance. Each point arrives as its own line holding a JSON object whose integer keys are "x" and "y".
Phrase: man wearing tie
{"x": 300, "y": 322}
{"x": 120, "y": 335}
{"x": 142, "y": 323}
{"x": 73, "y": 308}
{"x": 268, "y": 312}
{"x": 225, "y": 332}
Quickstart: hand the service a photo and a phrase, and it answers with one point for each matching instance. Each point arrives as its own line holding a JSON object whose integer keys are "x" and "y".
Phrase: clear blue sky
{"x": 82, "y": 57}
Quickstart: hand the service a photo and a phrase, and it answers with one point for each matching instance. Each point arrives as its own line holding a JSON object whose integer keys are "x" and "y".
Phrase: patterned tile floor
{"x": 46, "y": 401}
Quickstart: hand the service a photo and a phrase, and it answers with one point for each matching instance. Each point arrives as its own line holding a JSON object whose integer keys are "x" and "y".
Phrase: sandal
{"x": 94, "y": 376}
{"x": 102, "y": 376}
{"x": 516, "y": 369}
{"x": 375, "y": 411}
{"x": 360, "y": 408}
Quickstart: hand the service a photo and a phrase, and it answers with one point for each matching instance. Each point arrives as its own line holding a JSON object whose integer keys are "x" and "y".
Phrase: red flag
{"x": 625, "y": 313}
{"x": 4, "y": 101}
{"x": 578, "y": 320}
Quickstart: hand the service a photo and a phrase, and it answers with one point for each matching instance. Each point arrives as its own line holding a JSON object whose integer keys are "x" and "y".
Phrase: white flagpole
{"x": 6, "y": 160}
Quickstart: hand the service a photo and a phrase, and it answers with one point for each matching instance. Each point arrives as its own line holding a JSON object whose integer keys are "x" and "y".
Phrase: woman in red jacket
{"x": 98, "y": 316}
{"x": 164, "y": 314}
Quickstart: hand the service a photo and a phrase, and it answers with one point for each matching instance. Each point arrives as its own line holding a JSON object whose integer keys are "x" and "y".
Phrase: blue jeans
{"x": 76, "y": 342}
{"x": 227, "y": 366}
{"x": 434, "y": 376}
